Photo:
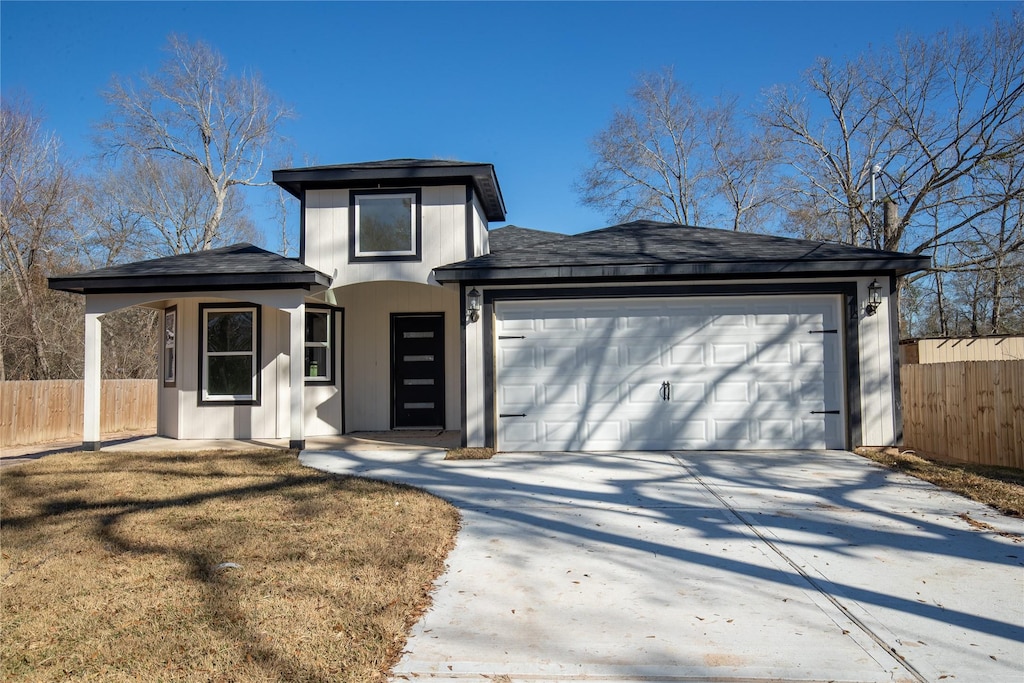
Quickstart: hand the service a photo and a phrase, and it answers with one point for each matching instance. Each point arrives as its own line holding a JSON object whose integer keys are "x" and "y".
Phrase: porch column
{"x": 297, "y": 355}
{"x": 91, "y": 403}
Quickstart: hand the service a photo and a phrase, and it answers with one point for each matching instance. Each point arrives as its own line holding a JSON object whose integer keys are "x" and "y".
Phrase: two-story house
{"x": 404, "y": 311}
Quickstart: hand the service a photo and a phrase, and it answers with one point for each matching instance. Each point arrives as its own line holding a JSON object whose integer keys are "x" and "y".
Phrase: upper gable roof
{"x": 239, "y": 266}
{"x": 653, "y": 249}
{"x": 399, "y": 173}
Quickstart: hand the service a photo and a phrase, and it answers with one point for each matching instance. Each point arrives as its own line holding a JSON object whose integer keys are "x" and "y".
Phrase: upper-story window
{"x": 385, "y": 226}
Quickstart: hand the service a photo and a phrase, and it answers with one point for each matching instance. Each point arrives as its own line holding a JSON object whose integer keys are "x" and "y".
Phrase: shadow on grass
{"x": 103, "y": 497}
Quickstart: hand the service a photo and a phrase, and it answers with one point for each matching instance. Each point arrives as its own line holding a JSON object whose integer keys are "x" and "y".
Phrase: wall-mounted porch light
{"x": 874, "y": 298}
{"x": 473, "y": 305}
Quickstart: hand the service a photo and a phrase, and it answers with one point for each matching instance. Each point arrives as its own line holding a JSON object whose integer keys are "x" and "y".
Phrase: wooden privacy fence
{"x": 51, "y": 410}
{"x": 968, "y": 411}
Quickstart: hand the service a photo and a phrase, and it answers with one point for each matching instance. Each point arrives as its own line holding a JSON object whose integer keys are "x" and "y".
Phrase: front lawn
{"x": 218, "y": 566}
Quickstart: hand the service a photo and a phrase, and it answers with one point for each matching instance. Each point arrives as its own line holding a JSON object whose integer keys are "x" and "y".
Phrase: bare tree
{"x": 150, "y": 207}
{"x": 743, "y": 165}
{"x": 939, "y": 115}
{"x": 671, "y": 157}
{"x": 219, "y": 125}
{"x": 830, "y": 155}
{"x": 37, "y": 197}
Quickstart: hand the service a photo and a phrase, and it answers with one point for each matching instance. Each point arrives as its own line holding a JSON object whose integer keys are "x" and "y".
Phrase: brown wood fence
{"x": 51, "y": 410}
{"x": 968, "y": 411}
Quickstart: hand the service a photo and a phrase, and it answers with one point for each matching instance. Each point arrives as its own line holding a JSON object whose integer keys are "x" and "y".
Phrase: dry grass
{"x": 1000, "y": 487}
{"x": 469, "y": 454}
{"x": 109, "y": 568}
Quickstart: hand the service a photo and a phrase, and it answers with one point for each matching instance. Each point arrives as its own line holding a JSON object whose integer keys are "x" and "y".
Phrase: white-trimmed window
{"x": 170, "y": 345}
{"x": 385, "y": 225}
{"x": 319, "y": 343}
{"x": 230, "y": 353}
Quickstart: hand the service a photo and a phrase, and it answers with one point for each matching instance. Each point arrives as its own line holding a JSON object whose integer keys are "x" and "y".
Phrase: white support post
{"x": 93, "y": 347}
{"x": 296, "y": 375}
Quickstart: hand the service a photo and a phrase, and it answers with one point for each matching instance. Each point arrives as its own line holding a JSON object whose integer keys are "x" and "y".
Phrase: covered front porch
{"x": 233, "y": 348}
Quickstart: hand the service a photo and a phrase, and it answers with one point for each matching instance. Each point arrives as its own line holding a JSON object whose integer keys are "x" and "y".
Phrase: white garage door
{"x": 662, "y": 374}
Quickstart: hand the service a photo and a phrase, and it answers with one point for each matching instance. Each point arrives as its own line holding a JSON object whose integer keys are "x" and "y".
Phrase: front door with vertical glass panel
{"x": 417, "y": 370}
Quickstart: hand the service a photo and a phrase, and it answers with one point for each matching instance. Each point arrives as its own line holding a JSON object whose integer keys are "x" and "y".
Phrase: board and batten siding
{"x": 181, "y": 416}
{"x": 443, "y": 230}
{"x": 212, "y": 421}
{"x": 368, "y": 308}
{"x": 877, "y": 362}
{"x": 481, "y": 243}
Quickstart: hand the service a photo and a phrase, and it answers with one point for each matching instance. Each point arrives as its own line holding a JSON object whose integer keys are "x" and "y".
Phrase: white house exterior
{"x": 403, "y": 311}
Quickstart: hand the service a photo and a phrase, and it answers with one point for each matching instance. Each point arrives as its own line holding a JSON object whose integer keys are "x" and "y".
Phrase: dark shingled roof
{"x": 514, "y": 237}
{"x": 653, "y": 249}
{"x": 240, "y": 266}
{"x": 399, "y": 173}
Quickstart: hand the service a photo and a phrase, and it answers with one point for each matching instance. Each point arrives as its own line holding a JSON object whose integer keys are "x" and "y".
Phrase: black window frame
{"x": 417, "y": 226}
{"x": 169, "y": 348}
{"x": 257, "y": 354}
{"x": 332, "y": 345}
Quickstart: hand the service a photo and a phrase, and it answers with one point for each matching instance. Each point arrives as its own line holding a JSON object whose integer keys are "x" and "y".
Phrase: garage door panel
{"x": 689, "y": 392}
{"x": 732, "y": 392}
{"x": 512, "y": 358}
{"x": 603, "y": 395}
{"x": 811, "y": 352}
{"x": 564, "y": 395}
{"x": 559, "y": 357}
{"x": 684, "y": 354}
{"x": 728, "y": 354}
{"x": 518, "y": 394}
{"x": 773, "y": 353}
{"x": 730, "y": 433}
{"x": 603, "y": 432}
{"x": 644, "y": 393}
{"x": 744, "y": 373}
{"x": 812, "y": 394}
{"x": 692, "y": 433}
{"x": 775, "y": 392}
{"x": 563, "y": 435}
{"x": 775, "y": 430}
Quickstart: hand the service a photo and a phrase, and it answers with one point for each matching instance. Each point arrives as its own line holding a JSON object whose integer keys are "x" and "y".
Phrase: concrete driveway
{"x": 781, "y": 566}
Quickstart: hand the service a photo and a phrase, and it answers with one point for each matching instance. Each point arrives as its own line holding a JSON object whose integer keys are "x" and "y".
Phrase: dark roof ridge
{"x": 742, "y": 235}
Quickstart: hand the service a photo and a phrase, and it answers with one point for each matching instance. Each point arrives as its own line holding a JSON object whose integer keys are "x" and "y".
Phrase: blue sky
{"x": 521, "y": 85}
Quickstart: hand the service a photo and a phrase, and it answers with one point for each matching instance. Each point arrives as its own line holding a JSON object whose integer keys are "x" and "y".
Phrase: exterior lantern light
{"x": 874, "y": 297}
{"x": 473, "y": 305}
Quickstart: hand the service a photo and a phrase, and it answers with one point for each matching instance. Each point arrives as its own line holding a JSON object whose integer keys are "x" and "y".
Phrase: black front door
{"x": 417, "y": 370}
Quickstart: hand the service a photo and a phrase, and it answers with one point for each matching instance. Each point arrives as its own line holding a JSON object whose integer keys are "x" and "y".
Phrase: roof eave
{"x": 310, "y": 281}
{"x": 482, "y": 176}
{"x": 714, "y": 269}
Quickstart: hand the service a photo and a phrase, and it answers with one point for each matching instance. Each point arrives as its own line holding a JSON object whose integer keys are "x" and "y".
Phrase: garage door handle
{"x": 512, "y": 415}
{"x": 824, "y": 412}
{"x": 666, "y": 391}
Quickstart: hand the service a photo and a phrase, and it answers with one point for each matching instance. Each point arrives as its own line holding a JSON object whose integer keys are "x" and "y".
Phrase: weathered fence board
{"x": 969, "y": 411}
{"x": 51, "y": 410}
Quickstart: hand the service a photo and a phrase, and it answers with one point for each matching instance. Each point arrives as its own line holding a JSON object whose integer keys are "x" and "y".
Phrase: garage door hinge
{"x": 501, "y": 336}
{"x": 512, "y": 415}
{"x": 824, "y": 331}
{"x": 825, "y": 412}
